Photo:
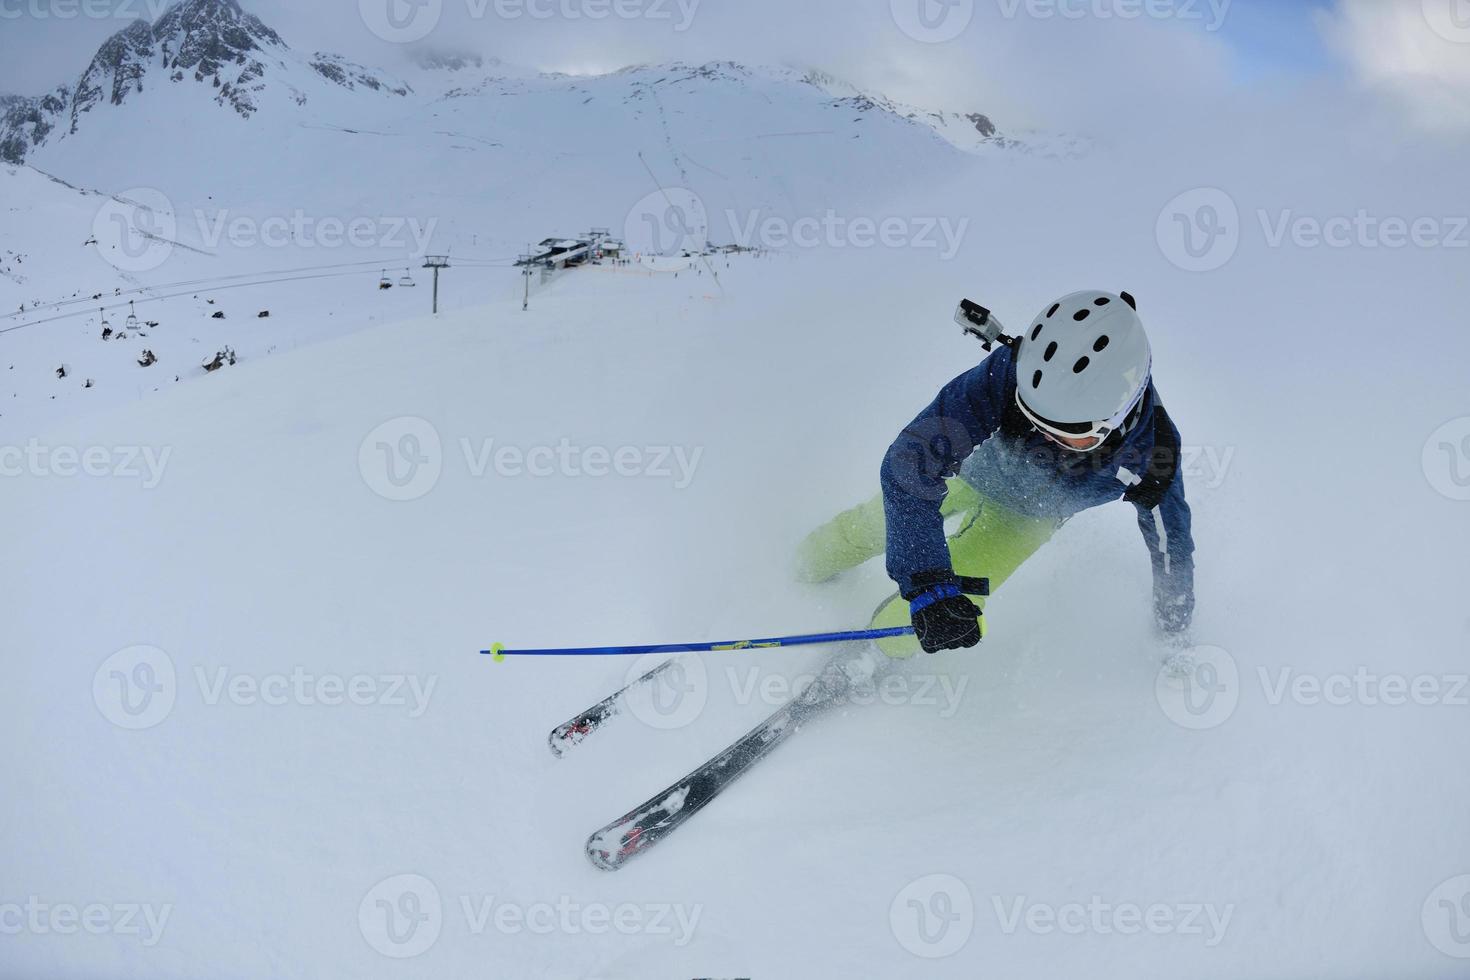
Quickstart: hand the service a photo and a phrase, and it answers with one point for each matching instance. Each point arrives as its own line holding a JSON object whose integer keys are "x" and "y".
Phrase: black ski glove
{"x": 944, "y": 619}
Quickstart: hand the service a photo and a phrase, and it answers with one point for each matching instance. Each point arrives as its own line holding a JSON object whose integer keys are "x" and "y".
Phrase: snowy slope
{"x": 76, "y": 262}
{"x": 199, "y": 574}
{"x": 1052, "y": 775}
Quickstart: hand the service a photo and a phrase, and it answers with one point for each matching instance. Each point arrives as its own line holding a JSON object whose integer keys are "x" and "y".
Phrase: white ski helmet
{"x": 1083, "y": 366}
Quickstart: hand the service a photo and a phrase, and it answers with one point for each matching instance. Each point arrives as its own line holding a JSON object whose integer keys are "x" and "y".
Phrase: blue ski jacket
{"x": 974, "y": 430}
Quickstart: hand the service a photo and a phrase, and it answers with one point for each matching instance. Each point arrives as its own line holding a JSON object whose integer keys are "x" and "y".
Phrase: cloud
{"x": 1084, "y": 65}
{"x": 1415, "y": 52}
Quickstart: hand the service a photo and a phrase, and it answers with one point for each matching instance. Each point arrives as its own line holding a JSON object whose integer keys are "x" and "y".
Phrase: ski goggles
{"x": 1081, "y": 437}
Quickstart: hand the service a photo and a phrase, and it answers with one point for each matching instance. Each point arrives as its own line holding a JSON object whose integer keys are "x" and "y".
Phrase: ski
{"x": 570, "y": 734}
{"x": 627, "y": 837}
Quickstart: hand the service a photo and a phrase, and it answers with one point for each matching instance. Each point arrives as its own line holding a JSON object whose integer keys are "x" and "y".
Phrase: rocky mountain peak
{"x": 209, "y": 35}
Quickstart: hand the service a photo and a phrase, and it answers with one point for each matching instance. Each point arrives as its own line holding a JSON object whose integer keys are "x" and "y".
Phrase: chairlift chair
{"x": 385, "y": 282}
{"x": 105, "y": 324}
{"x": 407, "y": 279}
{"x": 132, "y": 321}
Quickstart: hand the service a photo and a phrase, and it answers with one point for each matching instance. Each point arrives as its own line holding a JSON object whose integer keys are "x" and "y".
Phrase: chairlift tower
{"x": 436, "y": 262}
{"x": 527, "y": 270}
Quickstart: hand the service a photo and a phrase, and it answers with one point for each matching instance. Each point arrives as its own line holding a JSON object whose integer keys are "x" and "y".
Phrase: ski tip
{"x": 600, "y": 858}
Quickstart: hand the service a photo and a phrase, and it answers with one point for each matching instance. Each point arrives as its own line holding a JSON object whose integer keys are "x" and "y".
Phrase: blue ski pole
{"x": 499, "y": 651}
{"x": 971, "y": 586}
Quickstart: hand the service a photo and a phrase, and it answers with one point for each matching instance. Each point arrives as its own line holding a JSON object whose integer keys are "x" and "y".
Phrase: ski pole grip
{"x": 974, "y": 586}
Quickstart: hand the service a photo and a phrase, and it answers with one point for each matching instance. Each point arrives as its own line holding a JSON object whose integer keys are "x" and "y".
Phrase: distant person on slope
{"x": 1059, "y": 420}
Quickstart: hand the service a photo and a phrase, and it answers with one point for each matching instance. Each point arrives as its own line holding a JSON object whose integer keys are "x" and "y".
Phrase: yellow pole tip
{"x": 497, "y": 653}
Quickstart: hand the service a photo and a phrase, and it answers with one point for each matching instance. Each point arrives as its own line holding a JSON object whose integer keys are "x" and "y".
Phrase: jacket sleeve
{"x": 1167, "y": 530}
{"x": 930, "y": 449}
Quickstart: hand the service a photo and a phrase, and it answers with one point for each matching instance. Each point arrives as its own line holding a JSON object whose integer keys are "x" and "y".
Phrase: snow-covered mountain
{"x": 181, "y": 133}
{"x": 209, "y": 43}
{"x": 243, "y": 64}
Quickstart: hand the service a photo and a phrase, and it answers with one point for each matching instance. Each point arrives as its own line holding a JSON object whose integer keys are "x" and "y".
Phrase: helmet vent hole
{"x": 1037, "y": 332}
{"x": 1102, "y": 344}
{"x": 1051, "y": 312}
{"x": 1081, "y": 315}
{"x": 1081, "y": 365}
{"x": 1101, "y": 301}
{"x": 1051, "y": 351}
{"x": 1036, "y": 380}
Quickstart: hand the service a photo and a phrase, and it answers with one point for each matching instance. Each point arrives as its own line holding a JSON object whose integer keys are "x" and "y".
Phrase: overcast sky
{"x": 1063, "y": 64}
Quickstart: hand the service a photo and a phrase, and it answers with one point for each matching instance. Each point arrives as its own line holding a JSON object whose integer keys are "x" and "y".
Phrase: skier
{"x": 1059, "y": 420}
